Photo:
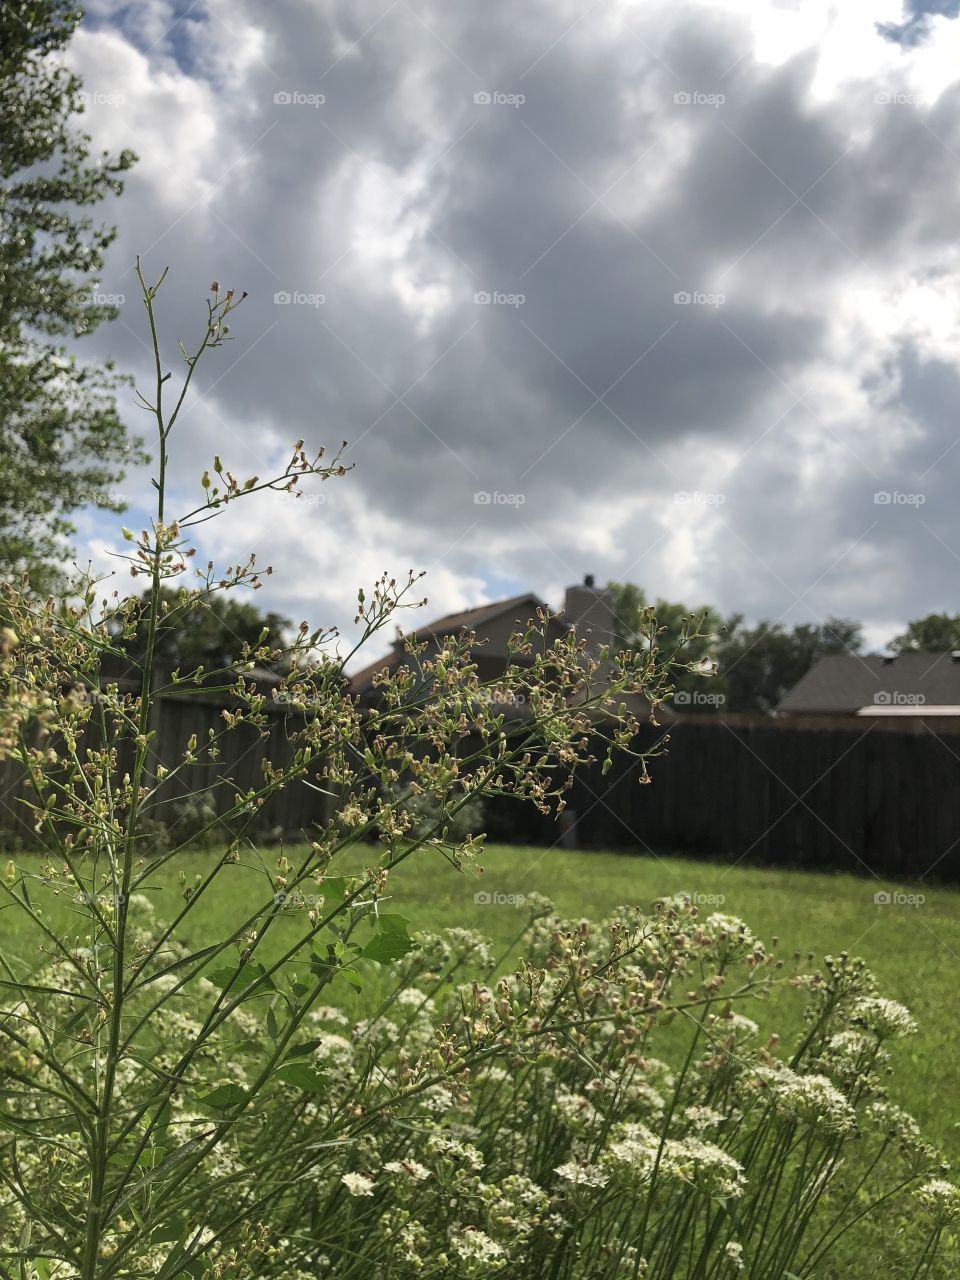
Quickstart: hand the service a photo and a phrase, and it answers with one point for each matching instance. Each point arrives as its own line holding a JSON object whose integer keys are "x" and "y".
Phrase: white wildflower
{"x": 435, "y": 1100}
{"x": 731, "y": 935}
{"x": 637, "y": 1152}
{"x": 333, "y": 1048}
{"x": 887, "y": 1019}
{"x": 473, "y": 1245}
{"x": 708, "y": 1167}
{"x": 411, "y": 1169}
{"x": 582, "y": 1175}
{"x": 896, "y": 1123}
{"x": 741, "y": 1024}
{"x": 494, "y": 1075}
{"x": 574, "y": 1109}
{"x": 657, "y": 1072}
{"x": 646, "y": 1093}
{"x": 378, "y": 1030}
{"x": 941, "y": 1199}
{"x": 703, "y": 1117}
{"x": 358, "y": 1184}
{"x": 458, "y": 1152}
{"x": 850, "y": 1055}
{"x": 414, "y": 997}
{"x": 812, "y": 1099}
{"x": 327, "y": 1013}
{"x": 733, "y": 1252}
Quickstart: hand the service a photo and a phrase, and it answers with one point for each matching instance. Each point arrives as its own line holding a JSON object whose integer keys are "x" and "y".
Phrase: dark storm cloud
{"x": 625, "y": 157}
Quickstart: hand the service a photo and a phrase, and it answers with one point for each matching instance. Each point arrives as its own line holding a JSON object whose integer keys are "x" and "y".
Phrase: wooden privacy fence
{"x": 198, "y": 792}
{"x": 852, "y": 795}
{"x": 860, "y": 795}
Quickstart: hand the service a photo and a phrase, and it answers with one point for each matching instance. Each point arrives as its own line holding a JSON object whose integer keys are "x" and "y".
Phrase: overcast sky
{"x": 676, "y": 286}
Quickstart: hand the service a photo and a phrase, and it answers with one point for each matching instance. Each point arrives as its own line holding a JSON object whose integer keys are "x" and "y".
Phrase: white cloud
{"x": 825, "y": 217}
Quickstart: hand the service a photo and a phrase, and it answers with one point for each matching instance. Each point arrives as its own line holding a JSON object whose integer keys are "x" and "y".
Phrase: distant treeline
{"x": 756, "y": 665}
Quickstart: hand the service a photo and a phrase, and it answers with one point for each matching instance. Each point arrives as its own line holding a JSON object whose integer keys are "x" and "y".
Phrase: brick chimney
{"x": 590, "y": 609}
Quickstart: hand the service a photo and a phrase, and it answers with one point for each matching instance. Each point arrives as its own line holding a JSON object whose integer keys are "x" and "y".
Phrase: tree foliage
{"x": 691, "y": 634}
{"x": 210, "y": 631}
{"x": 760, "y": 664}
{"x": 936, "y": 633}
{"x": 62, "y": 444}
{"x": 756, "y": 665}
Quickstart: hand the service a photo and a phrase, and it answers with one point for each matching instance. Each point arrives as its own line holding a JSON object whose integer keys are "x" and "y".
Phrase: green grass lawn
{"x": 914, "y": 950}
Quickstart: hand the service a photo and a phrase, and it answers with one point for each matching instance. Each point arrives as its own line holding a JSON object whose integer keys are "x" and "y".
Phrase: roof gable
{"x": 466, "y": 620}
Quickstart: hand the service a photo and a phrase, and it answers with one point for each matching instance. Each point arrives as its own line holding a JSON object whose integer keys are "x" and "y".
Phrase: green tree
{"x": 666, "y": 625}
{"x": 759, "y": 664}
{"x": 62, "y": 444}
{"x": 936, "y": 633}
{"x": 210, "y": 632}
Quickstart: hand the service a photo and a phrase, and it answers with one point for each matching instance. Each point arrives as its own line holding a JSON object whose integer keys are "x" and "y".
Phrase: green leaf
{"x": 390, "y": 942}
{"x": 170, "y": 1232}
{"x": 238, "y": 978}
{"x": 151, "y": 1158}
{"x": 223, "y": 1096}
{"x": 165, "y": 1165}
{"x": 301, "y": 1050}
{"x": 302, "y": 1076}
{"x": 164, "y": 1116}
{"x": 333, "y": 888}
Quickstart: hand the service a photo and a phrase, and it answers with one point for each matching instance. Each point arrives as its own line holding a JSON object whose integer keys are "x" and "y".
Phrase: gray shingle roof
{"x": 465, "y": 620}
{"x": 846, "y": 683}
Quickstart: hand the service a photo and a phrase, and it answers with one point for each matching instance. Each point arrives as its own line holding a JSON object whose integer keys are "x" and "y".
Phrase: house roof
{"x": 912, "y": 683}
{"x": 362, "y": 679}
{"x": 465, "y": 620}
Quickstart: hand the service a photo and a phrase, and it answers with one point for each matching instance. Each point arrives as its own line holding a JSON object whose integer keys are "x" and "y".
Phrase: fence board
{"x": 853, "y": 794}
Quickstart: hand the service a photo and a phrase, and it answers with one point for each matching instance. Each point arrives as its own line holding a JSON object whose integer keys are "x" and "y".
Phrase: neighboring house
{"x": 920, "y": 685}
{"x": 588, "y": 607}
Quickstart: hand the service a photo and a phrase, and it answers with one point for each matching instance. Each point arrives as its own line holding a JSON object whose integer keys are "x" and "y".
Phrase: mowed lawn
{"x": 913, "y": 949}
